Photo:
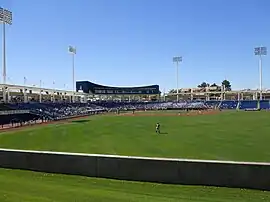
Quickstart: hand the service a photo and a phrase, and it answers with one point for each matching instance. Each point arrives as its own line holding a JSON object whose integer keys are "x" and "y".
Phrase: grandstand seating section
{"x": 16, "y": 118}
{"x": 264, "y": 104}
{"x": 212, "y": 103}
{"x": 55, "y": 111}
{"x": 228, "y": 104}
{"x": 47, "y": 111}
{"x": 105, "y": 105}
{"x": 248, "y": 104}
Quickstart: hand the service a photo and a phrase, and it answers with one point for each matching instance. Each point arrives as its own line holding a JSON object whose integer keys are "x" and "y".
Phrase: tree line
{"x": 225, "y": 83}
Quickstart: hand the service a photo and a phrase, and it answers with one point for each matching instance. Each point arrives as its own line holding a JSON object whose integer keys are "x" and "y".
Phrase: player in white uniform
{"x": 158, "y": 128}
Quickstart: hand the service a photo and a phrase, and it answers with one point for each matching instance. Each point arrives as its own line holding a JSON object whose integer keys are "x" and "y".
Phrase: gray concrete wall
{"x": 171, "y": 171}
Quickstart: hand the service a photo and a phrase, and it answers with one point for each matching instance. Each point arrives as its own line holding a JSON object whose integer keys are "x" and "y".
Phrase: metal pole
{"x": 64, "y": 93}
{"x": 40, "y": 95}
{"x": 73, "y": 75}
{"x": 53, "y": 92}
{"x": 4, "y": 53}
{"x": 177, "y": 90}
{"x": 73, "y": 71}
{"x": 164, "y": 95}
{"x": 260, "y": 72}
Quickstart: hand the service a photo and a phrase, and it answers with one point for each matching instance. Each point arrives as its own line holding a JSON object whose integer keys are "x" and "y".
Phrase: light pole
{"x": 24, "y": 81}
{"x": 177, "y": 60}
{"x": 260, "y": 51}
{"x": 53, "y": 92}
{"x": 73, "y": 52}
{"x": 5, "y": 18}
{"x": 40, "y": 91}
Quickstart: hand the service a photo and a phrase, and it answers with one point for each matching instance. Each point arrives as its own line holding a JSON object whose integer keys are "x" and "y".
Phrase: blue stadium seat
{"x": 264, "y": 104}
{"x": 212, "y": 103}
{"x": 228, "y": 104}
{"x": 248, "y": 104}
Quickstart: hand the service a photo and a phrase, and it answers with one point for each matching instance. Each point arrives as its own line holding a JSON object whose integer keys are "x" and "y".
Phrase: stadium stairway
{"x": 219, "y": 105}
{"x": 238, "y": 105}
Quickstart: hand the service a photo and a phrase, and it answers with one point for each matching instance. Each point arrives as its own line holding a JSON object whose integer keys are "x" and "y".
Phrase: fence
{"x": 9, "y": 112}
{"x": 161, "y": 170}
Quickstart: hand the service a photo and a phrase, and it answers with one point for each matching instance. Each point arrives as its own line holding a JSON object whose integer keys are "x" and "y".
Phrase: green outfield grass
{"x": 242, "y": 136}
{"x": 28, "y": 186}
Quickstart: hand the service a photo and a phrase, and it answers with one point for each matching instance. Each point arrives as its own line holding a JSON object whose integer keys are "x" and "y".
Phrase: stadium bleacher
{"x": 248, "y": 104}
{"x": 212, "y": 103}
{"x": 56, "y": 111}
{"x": 228, "y": 104}
{"x": 264, "y": 104}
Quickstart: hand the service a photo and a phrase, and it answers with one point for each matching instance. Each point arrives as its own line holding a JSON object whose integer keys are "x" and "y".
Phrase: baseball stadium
{"x": 210, "y": 123}
{"x": 109, "y": 143}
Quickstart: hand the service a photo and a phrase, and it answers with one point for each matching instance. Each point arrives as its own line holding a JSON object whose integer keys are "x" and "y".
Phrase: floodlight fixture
{"x": 5, "y": 16}
{"x": 177, "y": 59}
{"x": 260, "y": 51}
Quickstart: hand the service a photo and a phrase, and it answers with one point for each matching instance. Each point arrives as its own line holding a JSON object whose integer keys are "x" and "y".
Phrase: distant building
{"x": 92, "y": 88}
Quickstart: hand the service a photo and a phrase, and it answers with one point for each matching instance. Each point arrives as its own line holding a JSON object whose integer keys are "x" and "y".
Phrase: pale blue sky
{"x": 132, "y": 42}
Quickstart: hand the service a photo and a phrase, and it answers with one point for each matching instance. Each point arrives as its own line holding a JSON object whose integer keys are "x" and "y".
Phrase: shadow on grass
{"x": 81, "y": 121}
{"x": 163, "y": 133}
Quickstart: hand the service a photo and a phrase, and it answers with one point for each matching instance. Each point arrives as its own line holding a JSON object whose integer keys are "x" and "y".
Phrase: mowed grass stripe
{"x": 236, "y": 136}
{"x": 28, "y": 186}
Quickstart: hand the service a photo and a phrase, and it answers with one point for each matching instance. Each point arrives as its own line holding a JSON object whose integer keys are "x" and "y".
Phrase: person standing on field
{"x": 158, "y": 128}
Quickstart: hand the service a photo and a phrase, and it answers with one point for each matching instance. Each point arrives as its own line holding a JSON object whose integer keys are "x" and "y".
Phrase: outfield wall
{"x": 161, "y": 170}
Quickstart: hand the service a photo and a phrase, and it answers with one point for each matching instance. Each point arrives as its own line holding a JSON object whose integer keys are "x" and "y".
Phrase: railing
{"x": 9, "y": 112}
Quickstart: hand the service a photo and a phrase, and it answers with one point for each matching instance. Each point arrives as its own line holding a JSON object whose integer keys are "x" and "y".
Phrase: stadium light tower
{"x": 260, "y": 51}
{"x": 5, "y": 18}
{"x": 177, "y": 60}
{"x": 73, "y": 52}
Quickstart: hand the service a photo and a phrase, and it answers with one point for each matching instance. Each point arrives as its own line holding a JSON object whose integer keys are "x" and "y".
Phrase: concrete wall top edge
{"x": 136, "y": 157}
